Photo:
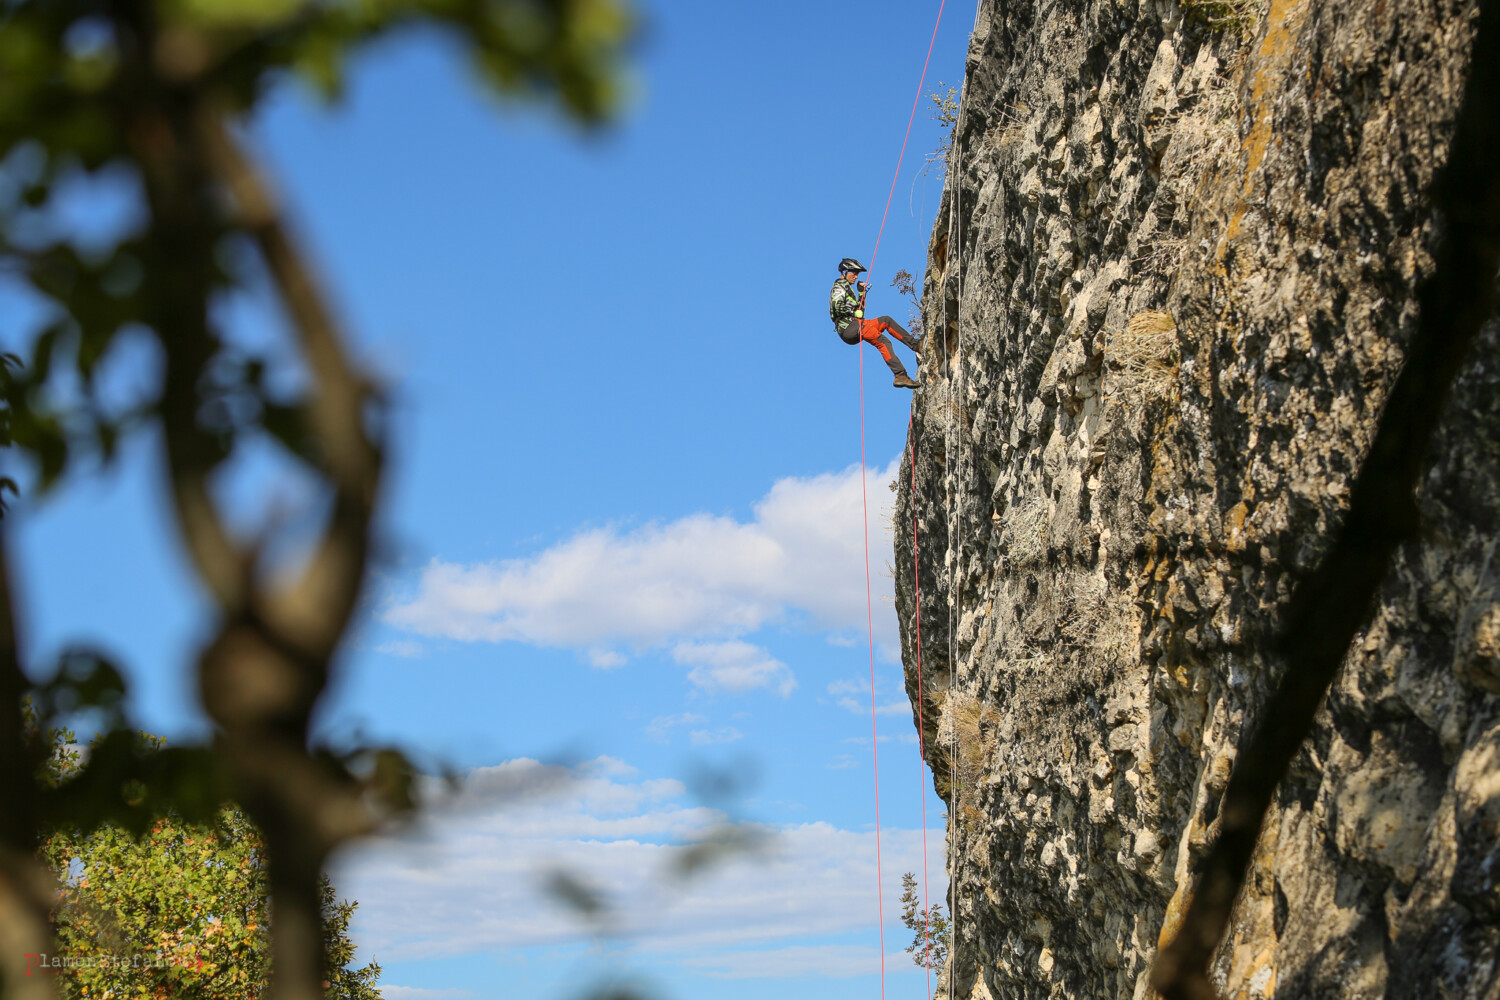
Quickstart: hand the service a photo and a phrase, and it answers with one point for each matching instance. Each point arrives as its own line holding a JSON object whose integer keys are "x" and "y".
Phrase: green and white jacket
{"x": 843, "y": 304}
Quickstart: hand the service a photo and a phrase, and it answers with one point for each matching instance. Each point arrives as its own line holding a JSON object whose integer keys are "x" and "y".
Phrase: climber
{"x": 846, "y": 306}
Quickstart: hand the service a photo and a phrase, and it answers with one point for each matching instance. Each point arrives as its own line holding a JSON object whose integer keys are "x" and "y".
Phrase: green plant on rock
{"x": 944, "y": 111}
{"x": 929, "y": 945}
{"x": 904, "y": 283}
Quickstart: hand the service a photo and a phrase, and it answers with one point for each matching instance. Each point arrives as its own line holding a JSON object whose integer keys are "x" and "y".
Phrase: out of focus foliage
{"x": 125, "y": 779}
{"x": 180, "y": 911}
{"x": 147, "y": 98}
{"x": 89, "y": 87}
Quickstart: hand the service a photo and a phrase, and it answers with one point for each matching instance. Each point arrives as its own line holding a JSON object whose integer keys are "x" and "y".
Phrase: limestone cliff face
{"x": 1171, "y": 282}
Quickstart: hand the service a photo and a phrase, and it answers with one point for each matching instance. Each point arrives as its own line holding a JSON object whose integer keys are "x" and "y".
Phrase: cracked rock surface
{"x": 1169, "y": 287}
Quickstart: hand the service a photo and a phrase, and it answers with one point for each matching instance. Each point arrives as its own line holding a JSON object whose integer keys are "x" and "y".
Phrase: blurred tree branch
{"x": 155, "y": 87}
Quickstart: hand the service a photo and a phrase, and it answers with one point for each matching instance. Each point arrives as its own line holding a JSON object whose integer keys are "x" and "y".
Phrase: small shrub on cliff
{"x": 904, "y": 283}
{"x": 944, "y": 111}
{"x": 1161, "y": 253}
{"x": 929, "y": 927}
{"x": 1204, "y": 139}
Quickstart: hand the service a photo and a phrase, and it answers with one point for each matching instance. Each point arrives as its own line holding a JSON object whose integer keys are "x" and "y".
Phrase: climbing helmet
{"x": 850, "y": 264}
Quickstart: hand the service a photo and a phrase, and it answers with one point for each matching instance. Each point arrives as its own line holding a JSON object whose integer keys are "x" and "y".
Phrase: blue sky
{"x": 622, "y": 532}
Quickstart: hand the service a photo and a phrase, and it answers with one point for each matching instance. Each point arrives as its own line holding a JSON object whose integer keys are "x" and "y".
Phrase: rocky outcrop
{"x": 1170, "y": 284}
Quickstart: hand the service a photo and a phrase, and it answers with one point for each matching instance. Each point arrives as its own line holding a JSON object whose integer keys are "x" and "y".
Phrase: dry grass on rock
{"x": 1225, "y": 15}
{"x": 966, "y": 738}
{"x": 1024, "y": 526}
{"x": 1141, "y": 361}
{"x": 1102, "y": 624}
{"x": 1009, "y": 128}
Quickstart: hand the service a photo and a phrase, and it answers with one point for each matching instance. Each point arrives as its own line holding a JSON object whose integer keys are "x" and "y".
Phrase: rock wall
{"x": 1170, "y": 283}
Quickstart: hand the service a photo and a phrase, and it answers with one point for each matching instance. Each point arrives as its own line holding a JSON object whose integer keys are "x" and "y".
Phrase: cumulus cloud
{"x": 828, "y": 961}
{"x": 700, "y": 577}
{"x": 714, "y": 737}
{"x": 660, "y": 729}
{"x": 734, "y": 667}
{"x": 472, "y": 878}
{"x": 854, "y": 696}
{"x": 605, "y": 659}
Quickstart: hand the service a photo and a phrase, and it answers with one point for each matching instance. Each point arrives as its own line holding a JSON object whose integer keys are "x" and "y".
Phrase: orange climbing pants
{"x": 870, "y": 331}
{"x": 873, "y": 332}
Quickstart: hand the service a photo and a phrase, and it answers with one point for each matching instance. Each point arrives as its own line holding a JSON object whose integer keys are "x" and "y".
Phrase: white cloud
{"x": 734, "y": 666}
{"x": 829, "y": 961}
{"x": 470, "y": 879}
{"x": 699, "y": 577}
{"x": 854, "y": 696}
{"x": 714, "y": 737}
{"x": 605, "y": 766}
{"x": 660, "y": 729}
{"x": 405, "y": 648}
{"x": 863, "y": 707}
{"x": 863, "y": 741}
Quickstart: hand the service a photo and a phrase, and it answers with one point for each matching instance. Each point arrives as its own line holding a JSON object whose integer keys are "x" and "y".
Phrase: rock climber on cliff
{"x": 846, "y": 306}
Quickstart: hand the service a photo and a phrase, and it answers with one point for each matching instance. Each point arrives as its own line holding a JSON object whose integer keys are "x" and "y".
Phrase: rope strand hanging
{"x": 865, "y": 512}
{"x": 953, "y": 445}
{"x": 916, "y": 576}
{"x": 916, "y": 567}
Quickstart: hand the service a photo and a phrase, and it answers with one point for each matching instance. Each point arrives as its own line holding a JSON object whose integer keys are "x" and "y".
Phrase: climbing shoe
{"x": 917, "y": 345}
{"x": 904, "y": 382}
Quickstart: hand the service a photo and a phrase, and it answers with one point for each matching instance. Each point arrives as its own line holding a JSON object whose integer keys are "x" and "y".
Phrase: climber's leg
{"x": 890, "y": 326}
{"x": 870, "y": 332}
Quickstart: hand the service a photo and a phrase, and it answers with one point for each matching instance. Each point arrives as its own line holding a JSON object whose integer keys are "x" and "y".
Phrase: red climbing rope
{"x": 916, "y": 577}
{"x": 869, "y": 602}
{"x": 915, "y": 101}
{"x": 870, "y": 624}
